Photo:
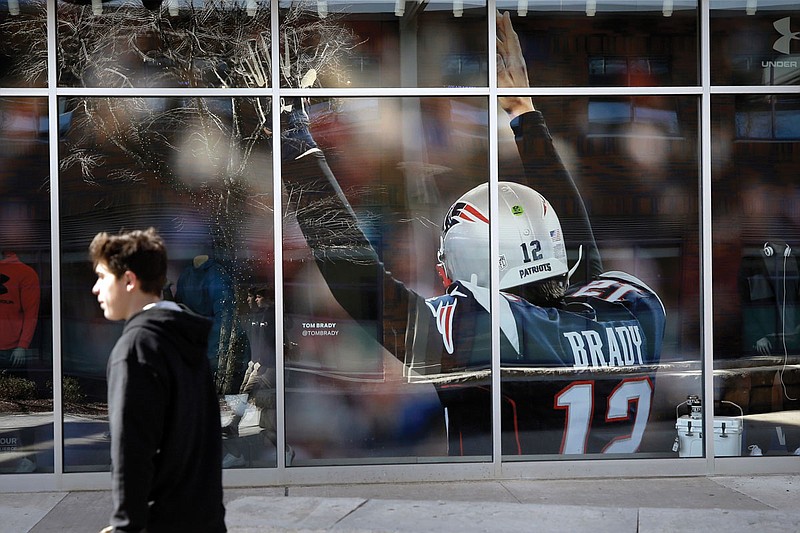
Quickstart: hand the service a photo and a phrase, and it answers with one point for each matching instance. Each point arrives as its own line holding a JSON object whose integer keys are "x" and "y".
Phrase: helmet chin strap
{"x": 575, "y": 266}
{"x": 442, "y": 271}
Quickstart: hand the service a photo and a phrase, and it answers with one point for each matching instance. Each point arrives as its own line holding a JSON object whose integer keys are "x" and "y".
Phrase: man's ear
{"x": 131, "y": 280}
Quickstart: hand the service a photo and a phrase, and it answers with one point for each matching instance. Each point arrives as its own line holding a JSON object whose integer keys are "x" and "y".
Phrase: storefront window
{"x": 604, "y": 43}
{"x": 23, "y": 56}
{"x": 755, "y": 42}
{"x": 379, "y": 370}
{"x": 388, "y": 280}
{"x": 768, "y": 118}
{"x": 755, "y": 205}
{"x": 169, "y": 43}
{"x": 26, "y": 355}
{"x": 603, "y": 371}
{"x": 337, "y": 43}
{"x": 199, "y": 171}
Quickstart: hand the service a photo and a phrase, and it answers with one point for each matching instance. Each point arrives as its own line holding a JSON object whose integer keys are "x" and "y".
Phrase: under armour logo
{"x": 3, "y": 279}
{"x": 787, "y": 35}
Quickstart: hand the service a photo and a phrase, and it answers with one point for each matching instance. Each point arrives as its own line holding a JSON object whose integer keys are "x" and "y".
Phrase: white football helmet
{"x": 531, "y": 242}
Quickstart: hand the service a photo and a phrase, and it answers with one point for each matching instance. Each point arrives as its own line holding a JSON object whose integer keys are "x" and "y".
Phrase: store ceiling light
{"x": 591, "y": 7}
{"x": 13, "y": 7}
{"x": 751, "y": 7}
{"x": 667, "y": 8}
{"x": 458, "y": 8}
{"x": 522, "y": 7}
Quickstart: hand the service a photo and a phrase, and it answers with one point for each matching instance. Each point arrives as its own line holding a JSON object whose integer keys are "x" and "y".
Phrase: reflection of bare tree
{"x": 311, "y": 44}
{"x": 331, "y": 234}
{"x": 200, "y": 148}
{"x": 24, "y": 39}
{"x": 221, "y": 44}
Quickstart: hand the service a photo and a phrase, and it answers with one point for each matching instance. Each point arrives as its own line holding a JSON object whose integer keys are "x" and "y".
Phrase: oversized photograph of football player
{"x": 580, "y": 344}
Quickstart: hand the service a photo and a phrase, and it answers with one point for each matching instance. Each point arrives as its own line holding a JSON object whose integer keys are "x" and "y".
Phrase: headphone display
{"x": 769, "y": 251}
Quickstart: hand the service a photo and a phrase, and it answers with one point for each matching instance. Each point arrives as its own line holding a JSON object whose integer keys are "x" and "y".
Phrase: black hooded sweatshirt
{"x": 166, "y": 444}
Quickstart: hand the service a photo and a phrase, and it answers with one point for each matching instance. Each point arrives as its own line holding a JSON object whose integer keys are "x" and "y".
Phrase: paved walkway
{"x": 725, "y": 504}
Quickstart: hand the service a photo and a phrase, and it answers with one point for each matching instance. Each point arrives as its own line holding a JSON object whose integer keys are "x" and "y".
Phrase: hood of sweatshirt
{"x": 188, "y": 329}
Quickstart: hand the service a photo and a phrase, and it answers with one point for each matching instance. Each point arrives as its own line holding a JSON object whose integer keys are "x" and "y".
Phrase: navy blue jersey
{"x": 577, "y": 378}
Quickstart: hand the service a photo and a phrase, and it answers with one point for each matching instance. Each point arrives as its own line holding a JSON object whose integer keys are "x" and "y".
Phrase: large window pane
{"x": 23, "y": 49}
{"x": 767, "y": 117}
{"x": 606, "y": 43}
{"x": 26, "y": 356}
{"x": 174, "y": 43}
{"x": 383, "y": 364}
{"x": 198, "y": 170}
{"x": 383, "y": 44}
{"x": 755, "y": 42}
{"x": 606, "y": 369}
{"x": 375, "y": 373}
{"x": 756, "y": 281}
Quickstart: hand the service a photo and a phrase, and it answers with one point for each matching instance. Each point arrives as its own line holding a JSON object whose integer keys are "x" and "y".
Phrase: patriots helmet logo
{"x": 463, "y": 212}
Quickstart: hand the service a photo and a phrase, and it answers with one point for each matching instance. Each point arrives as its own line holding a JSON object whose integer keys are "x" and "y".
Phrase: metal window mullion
{"x": 55, "y": 245}
{"x": 494, "y": 234}
{"x": 211, "y": 92}
{"x": 755, "y": 89}
{"x": 706, "y": 242}
{"x": 654, "y": 90}
{"x": 277, "y": 240}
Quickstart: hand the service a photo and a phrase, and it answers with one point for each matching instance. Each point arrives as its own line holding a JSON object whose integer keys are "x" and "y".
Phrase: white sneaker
{"x": 231, "y": 461}
{"x": 755, "y": 450}
{"x": 797, "y": 451}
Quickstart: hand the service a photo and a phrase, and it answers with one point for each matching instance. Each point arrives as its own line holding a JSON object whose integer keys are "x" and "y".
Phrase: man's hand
{"x": 764, "y": 346}
{"x": 511, "y": 69}
{"x": 19, "y": 357}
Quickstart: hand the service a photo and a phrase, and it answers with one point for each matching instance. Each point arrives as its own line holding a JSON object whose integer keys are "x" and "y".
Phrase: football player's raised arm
{"x": 544, "y": 169}
{"x": 346, "y": 259}
{"x": 511, "y": 69}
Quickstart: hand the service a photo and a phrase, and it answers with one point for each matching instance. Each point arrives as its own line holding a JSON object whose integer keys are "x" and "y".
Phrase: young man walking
{"x": 163, "y": 413}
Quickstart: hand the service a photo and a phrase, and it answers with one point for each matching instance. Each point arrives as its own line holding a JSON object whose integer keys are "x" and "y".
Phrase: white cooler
{"x": 727, "y": 436}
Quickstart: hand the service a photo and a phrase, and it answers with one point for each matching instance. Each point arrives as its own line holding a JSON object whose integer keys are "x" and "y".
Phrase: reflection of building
{"x": 761, "y": 52}
{"x": 755, "y": 206}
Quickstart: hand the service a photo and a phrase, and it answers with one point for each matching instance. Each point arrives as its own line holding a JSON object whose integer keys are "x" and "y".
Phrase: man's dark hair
{"x": 544, "y": 293}
{"x": 141, "y": 252}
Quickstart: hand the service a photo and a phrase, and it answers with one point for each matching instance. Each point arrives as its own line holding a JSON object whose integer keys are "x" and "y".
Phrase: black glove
{"x": 296, "y": 137}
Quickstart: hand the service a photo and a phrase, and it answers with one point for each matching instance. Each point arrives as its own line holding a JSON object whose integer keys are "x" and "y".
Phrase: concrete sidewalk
{"x": 766, "y": 503}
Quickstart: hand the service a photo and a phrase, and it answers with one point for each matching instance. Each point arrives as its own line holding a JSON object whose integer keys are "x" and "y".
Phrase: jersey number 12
{"x": 578, "y": 401}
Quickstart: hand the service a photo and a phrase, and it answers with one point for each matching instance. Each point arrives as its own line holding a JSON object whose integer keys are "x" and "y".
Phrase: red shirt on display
{"x": 19, "y": 302}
